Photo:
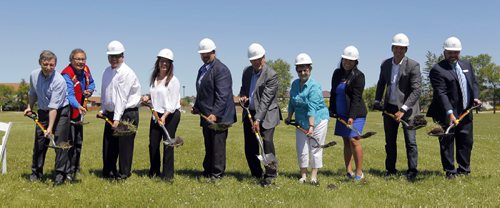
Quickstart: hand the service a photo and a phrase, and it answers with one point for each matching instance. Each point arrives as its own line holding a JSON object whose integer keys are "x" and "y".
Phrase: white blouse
{"x": 166, "y": 98}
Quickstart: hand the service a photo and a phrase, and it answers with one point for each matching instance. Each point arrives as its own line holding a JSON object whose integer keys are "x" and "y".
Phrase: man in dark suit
{"x": 455, "y": 89}
{"x": 259, "y": 88}
{"x": 401, "y": 80}
{"x": 214, "y": 99}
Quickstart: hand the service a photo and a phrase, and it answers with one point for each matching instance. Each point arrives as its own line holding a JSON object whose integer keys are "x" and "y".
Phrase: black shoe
{"x": 59, "y": 180}
{"x": 266, "y": 182}
{"x": 34, "y": 177}
{"x": 411, "y": 176}
{"x": 391, "y": 173}
{"x": 451, "y": 176}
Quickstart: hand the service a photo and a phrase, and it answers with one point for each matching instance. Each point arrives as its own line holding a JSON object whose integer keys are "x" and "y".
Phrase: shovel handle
{"x": 105, "y": 118}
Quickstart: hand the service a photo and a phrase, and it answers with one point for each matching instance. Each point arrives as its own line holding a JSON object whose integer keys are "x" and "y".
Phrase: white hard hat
{"x": 351, "y": 53}
{"x": 206, "y": 45}
{"x": 303, "y": 58}
{"x": 255, "y": 51}
{"x": 400, "y": 39}
{"x": 452, "y": 44}
{"x": 115, "y": 47}
{"x": 166, "y": 53}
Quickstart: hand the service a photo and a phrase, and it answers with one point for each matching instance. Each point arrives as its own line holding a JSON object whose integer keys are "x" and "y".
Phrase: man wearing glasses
{"x": 120, "y": 97}
{"x": 80, "y": 86}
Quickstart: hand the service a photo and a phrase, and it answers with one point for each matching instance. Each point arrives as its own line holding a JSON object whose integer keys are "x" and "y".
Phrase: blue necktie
{"x": 463, "y": 84}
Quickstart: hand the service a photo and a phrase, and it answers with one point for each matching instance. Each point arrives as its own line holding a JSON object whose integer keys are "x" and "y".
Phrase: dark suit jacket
{"x": 446, "y": 90}
{"x": 408, "y": 84}
{"x": 355, "y": 84}
{"x": 266, "y": 100}
{"x": 214, "y": 94}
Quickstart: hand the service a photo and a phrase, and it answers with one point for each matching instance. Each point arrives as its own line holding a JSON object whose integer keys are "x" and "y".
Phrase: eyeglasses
{"x": 79, "y": 59}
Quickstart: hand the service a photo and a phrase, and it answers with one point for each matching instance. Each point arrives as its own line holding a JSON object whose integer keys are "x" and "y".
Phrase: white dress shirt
{"x": 166, "y": 98}
{"x": 120, "y": 90}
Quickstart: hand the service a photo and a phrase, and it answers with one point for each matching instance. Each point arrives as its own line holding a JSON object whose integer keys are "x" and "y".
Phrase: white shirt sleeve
{"x": 173, "y": 95}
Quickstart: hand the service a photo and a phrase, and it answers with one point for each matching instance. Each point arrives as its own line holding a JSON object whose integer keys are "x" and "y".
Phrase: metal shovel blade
{"x": 368, "y": 134}
{"x": 269, "y": 160}
{"x": 329, "y": 144}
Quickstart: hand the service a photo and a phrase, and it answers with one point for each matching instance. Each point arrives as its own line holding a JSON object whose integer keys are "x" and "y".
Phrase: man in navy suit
{"x": 455, "y": 89}
{"x": 214, "y": 99}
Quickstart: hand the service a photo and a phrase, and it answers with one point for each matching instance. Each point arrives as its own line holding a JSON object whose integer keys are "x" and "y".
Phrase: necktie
{"x": 202, "y": 72}
{"x": 463, "y": 85}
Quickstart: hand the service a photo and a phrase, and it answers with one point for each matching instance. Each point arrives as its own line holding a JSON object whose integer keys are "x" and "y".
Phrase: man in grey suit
{"x": 259, "y": 88}
{"x": 401, "y": 80}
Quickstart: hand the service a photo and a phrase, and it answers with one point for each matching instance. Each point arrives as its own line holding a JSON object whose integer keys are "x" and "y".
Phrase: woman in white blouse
{"x": 165, "y": 98}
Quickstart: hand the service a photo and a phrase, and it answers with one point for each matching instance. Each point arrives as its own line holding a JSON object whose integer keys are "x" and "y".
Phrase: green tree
{"x": 282, "y": 68}
{"x": 6, "y": 95}
{"x": 22, "y": 95}
{"x": 369, "y": 96}
{"x": 426, "y": 95}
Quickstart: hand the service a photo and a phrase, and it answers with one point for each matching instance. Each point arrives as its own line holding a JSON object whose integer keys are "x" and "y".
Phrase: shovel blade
{"x": 268, "y": 159}
{"x": 368, "y": 134}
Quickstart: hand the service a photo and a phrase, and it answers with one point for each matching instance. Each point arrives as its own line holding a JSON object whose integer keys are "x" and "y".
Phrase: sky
{"x": 285, "y": 28}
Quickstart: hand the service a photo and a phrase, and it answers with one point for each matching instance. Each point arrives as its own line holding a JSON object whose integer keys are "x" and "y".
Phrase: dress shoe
{"x": 59, "y": 180}
{"x": 411, "y": 176}
{"x": 34, "y": 177}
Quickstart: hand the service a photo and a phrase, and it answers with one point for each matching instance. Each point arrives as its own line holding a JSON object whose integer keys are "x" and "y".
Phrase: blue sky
{"x": 285, "y": 28}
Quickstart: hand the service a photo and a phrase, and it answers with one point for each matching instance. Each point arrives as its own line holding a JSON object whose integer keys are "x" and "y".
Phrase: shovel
{"x": 318, "y": 145}
{"x": 175, "y": 142}
{"x": 405, "y": 124}
{"x": 269, "y": 159}
{"x": 439, "y": 131}
{"x": 215, "y": 126}
{"x": 125, "y": 128}
{"x": 364, "y": 136}
{"x": 81, "y": 122}
{"x": 52, "y": 144}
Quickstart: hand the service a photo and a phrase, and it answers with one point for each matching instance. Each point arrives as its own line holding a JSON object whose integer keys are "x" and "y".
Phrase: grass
{"x": 237, "y": 188}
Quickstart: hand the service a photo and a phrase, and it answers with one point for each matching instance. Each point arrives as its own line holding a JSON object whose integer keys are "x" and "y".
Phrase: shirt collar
{"x": 399, "y": 62}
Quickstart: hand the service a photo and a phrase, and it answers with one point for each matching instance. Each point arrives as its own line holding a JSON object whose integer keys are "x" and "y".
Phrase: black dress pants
{"x": 122, "y": 147}
{"x": 61, "y": 134}
{"x": 156, "y": 135}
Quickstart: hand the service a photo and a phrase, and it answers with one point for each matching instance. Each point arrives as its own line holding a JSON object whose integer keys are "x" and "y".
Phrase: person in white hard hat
{"x": 214, "y": 99}
{"x": 400, "y": 79}
{"x": 80, "y": 84}
{"x": 48, "y": 90}
{"x": 307, "y": 103}
{"x": 165, "y": 98}
{"x": 346, "y": 103}
{"x": 120, "y": 97}
{"x": 455, "y": 89}
{"x": 259, "y": 89}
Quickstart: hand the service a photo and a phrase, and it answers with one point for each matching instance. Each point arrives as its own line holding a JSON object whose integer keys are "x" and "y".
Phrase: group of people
{"x": 61, "y": 107}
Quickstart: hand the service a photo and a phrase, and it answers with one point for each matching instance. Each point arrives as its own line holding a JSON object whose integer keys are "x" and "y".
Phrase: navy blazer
{"x": 446, "y": 90}
{"x": 214, "y": 94}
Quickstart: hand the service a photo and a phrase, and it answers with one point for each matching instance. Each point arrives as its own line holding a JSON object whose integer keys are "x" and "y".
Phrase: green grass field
{"x": 482, "y": 188}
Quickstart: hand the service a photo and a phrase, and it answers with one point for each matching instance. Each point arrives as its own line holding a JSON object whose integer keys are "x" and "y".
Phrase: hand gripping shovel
{"x": 364, "y": 136}
{"x": 125, "y": 128}
{"x": 438, "y": 131}
{"x": 215, "y": 126}
{"x": 175, "y": 142}
{"x": 419, "y": 121}
{"x": 81, "y": 122}
{"x": 318, "y": 145}
{"x": 269, "y": 159}
{"x": 52, "y": 144}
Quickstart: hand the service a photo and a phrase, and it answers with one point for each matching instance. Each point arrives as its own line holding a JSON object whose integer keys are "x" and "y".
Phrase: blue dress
{"x": 341, "y": 102}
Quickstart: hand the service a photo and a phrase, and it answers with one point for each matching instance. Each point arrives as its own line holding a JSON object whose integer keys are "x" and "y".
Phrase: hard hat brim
{"x": 400, "y": 44}
{"x": 114, "y": 52}
{"x": 349, "y": 58}
{"x": 452, "y": 49}
{"x": 255, "y": 57}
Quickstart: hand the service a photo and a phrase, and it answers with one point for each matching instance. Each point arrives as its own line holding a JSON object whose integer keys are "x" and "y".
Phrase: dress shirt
{"x": 166, "y": 98}
{"x": 120, "y": 90}
{"x": 50, "y": 92}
